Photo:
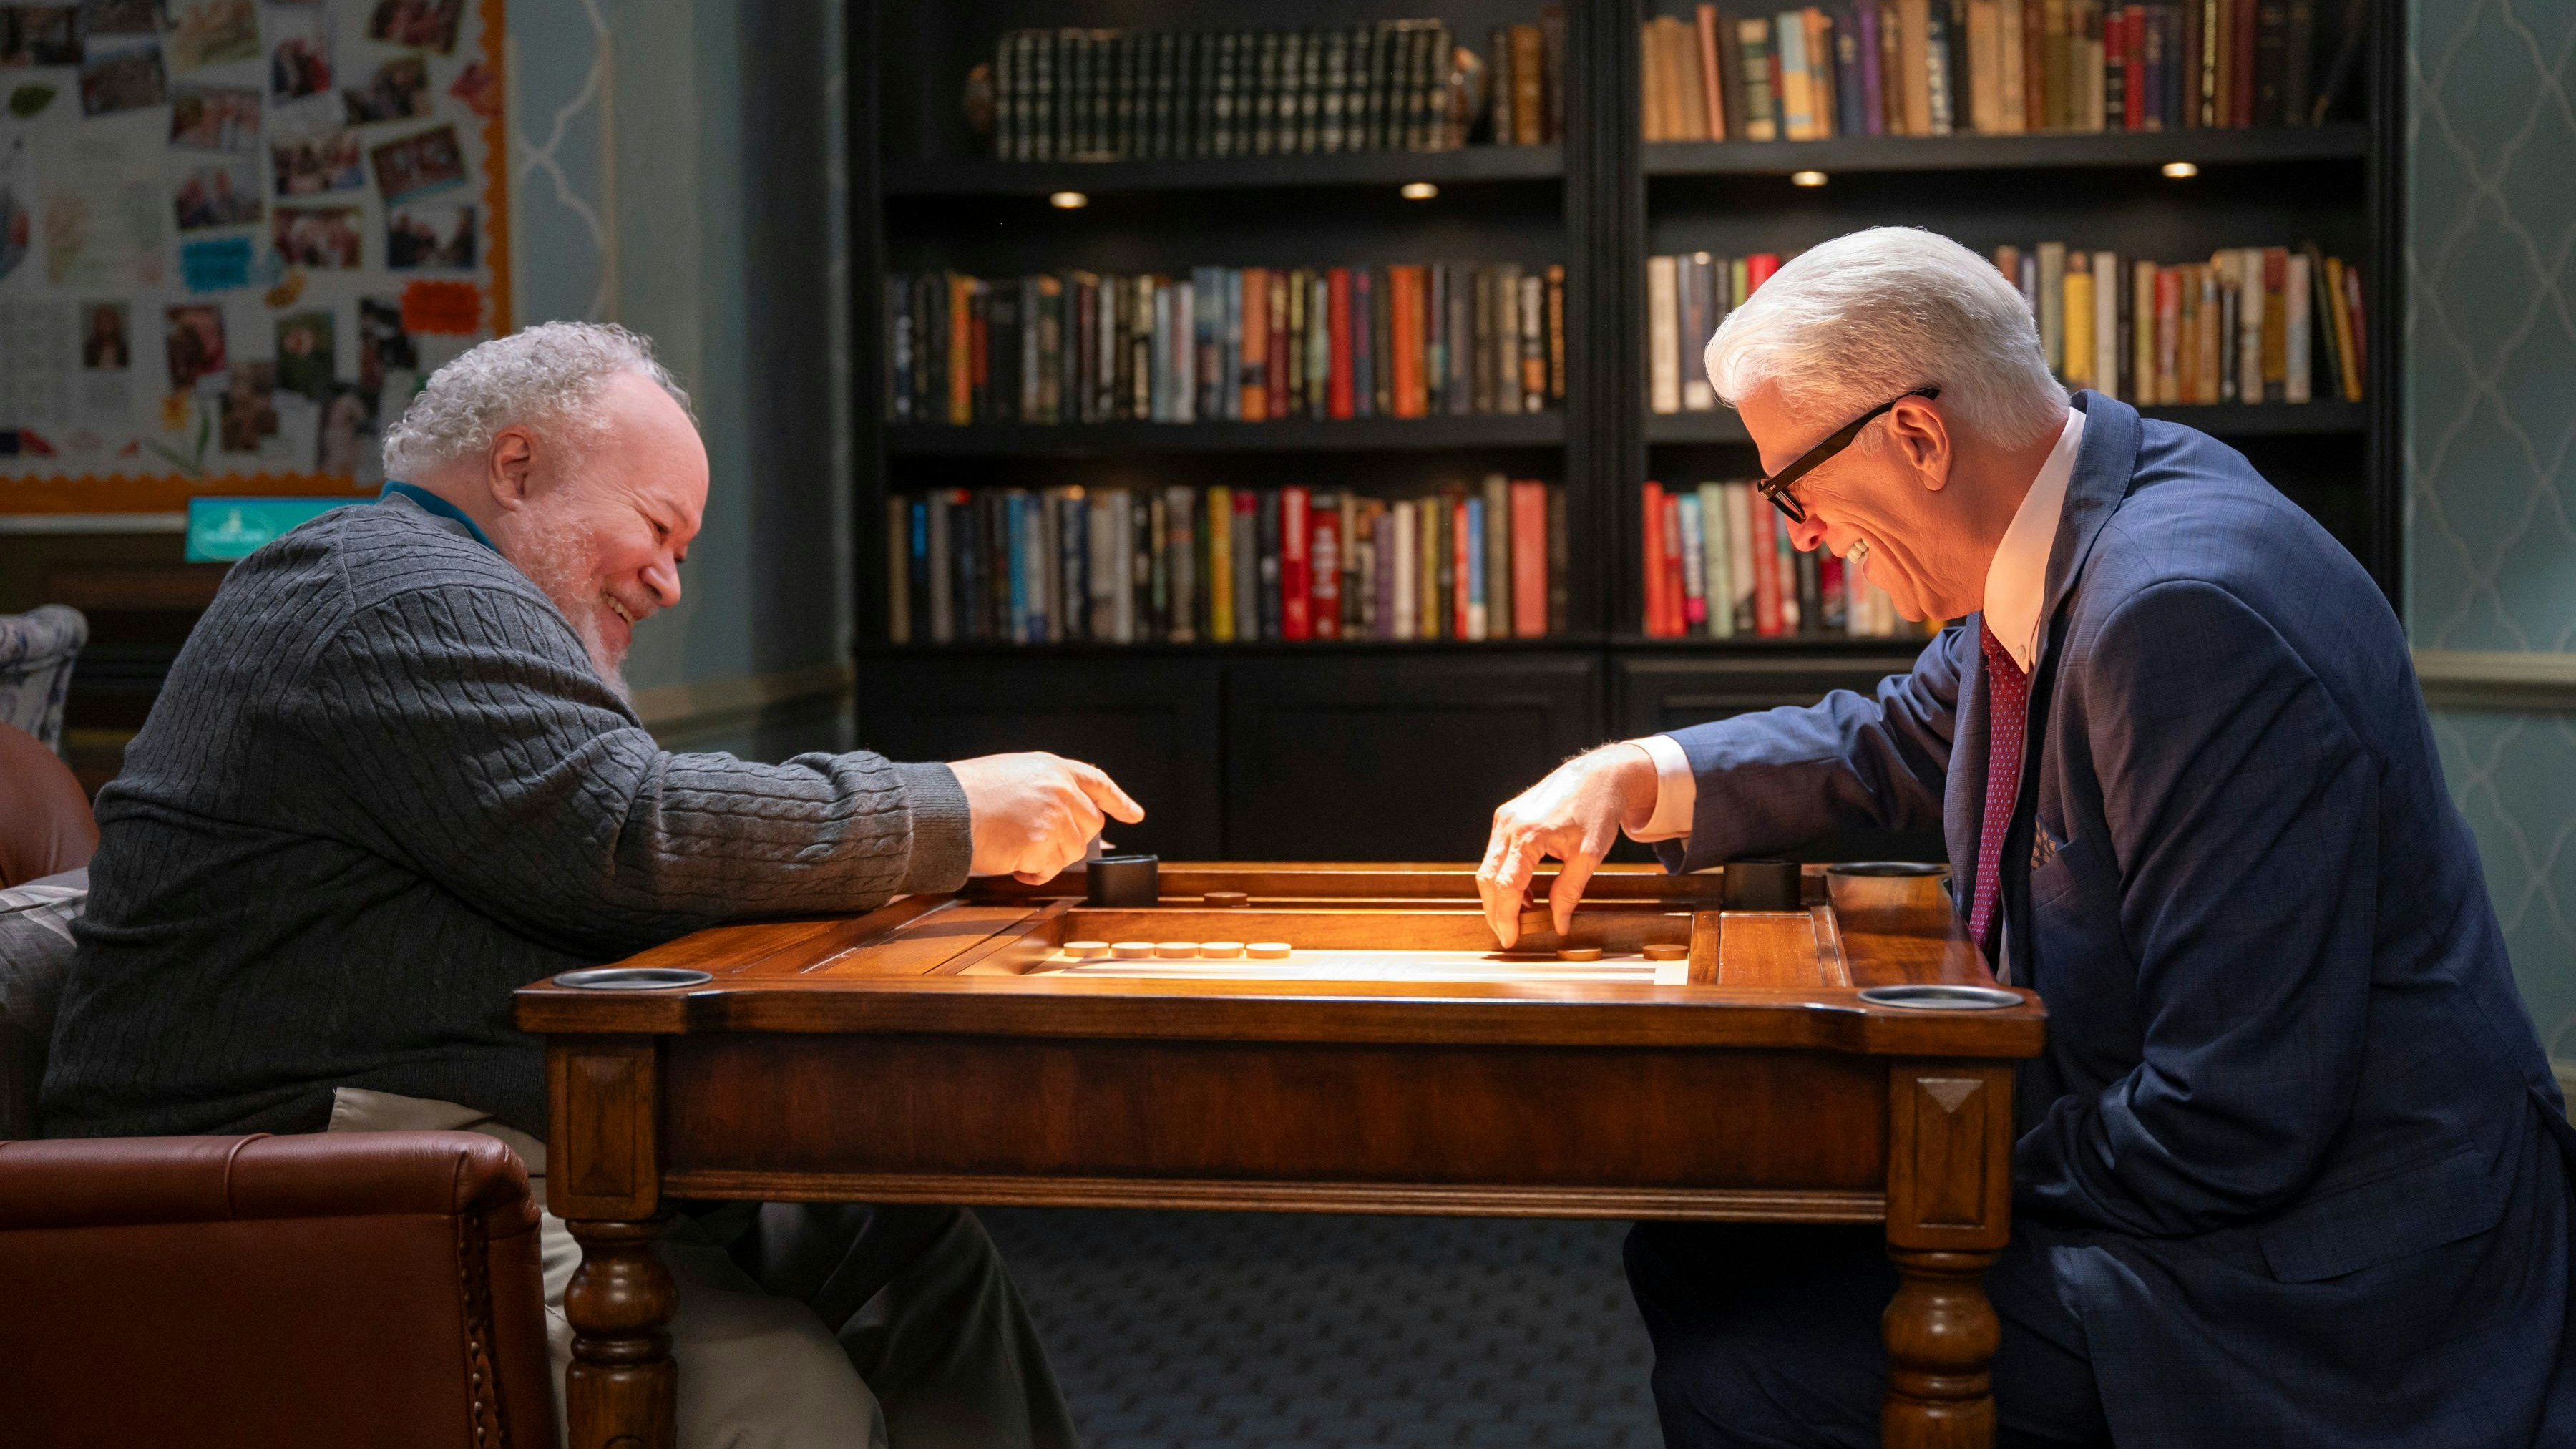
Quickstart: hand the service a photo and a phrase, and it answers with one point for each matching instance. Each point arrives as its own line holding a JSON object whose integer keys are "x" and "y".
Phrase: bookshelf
{"x": 1469, "y": 166}
{"x": 1116, "y": 439}
{"x": 1358, "y": 747}
{"x": 2109, "y": 151}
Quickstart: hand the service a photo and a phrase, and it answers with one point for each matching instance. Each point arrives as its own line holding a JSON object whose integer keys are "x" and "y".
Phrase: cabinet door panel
{"x": 1151, "y": 723}
{"x": 1662, "y": 692}
{"x": 1394, "y": 757}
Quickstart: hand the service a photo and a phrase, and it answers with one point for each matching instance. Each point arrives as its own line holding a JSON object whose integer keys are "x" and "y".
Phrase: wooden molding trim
{"x": 1203, "y": 1195}
{"x": 2514, "y": 681}
{"x": 715, "y": 703}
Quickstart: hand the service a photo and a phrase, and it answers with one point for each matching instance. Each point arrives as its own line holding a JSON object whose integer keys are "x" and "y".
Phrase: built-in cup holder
{"x": 1937, "y": 996}
{"x": 633, "y": 978}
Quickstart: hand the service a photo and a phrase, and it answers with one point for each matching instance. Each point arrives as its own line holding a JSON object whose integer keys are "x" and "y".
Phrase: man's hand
{"x": 1574, "y": 815}
{"x": 1034, "y": 814}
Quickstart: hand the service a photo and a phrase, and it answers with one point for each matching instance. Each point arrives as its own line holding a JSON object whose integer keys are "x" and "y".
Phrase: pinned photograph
{"x": 212, "y": 32}
{"x": 399, "y": 91}
{"x": 196, "y": 342}
{"x": 421, "y": 165}
{"x": 250, "y": 406}
{"x": 221, "y": 193}
{"x": 215, "y": 118}
{"x": 32, "y": 35}
{"x": 322, "y": 161}
{"x": 306, "y": 343}
{"x": 429, "y": 236}
{"x": 383, "y": 345}
{"x": 299, "y": 53}
{"x": 120, "y": 17}
{"x": 106, "y": 341}
{"x": 17, "y": 226}
{"x": 420, "y": 24}
{"x": 126, "y": 79}
{"x": 346, "y": 443}
{"x": 15, "y": 232}
{"x": 321, "y": 237}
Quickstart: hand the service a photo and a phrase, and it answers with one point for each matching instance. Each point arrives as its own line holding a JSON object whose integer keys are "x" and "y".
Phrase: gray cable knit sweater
{"x": 382, "y": 788}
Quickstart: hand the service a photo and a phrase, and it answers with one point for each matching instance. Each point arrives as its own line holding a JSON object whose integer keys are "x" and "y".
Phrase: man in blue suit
{"x": 2290, "y": 1171}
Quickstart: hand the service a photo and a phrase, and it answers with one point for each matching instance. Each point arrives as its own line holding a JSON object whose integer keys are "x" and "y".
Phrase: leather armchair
{"x": 359, "y": 1289}
{"x": 45, "y": 824}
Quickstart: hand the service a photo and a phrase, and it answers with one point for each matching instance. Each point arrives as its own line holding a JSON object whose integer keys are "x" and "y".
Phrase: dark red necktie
{"x": 2007, "y": 713}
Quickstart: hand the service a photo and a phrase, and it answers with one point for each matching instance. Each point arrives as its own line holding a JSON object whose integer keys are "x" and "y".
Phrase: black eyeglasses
{"x": 1776, "y": 487}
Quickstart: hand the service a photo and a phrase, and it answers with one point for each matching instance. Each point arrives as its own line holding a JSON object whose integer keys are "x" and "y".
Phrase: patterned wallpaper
{"x": 561, "y": 104}
{"x": 723, "y": 214}
{"x": 2490, "y": 437}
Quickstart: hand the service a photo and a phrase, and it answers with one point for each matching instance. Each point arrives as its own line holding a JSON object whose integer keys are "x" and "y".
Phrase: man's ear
{"x": 1923, "y": 436}
{"x": 509, "y": 466}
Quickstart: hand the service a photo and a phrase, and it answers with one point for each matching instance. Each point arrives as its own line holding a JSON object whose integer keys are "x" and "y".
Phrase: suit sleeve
{"x": 2242, "y": 810}
{"x": 465, "y": 727}
{"x": 1773, "y": 780}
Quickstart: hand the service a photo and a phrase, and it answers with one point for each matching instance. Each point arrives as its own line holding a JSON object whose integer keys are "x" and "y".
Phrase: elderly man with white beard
{"x": 394, "y": 775}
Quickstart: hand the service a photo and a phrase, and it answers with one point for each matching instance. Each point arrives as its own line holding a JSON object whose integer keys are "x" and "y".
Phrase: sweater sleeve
{"x": 463, "y": 724}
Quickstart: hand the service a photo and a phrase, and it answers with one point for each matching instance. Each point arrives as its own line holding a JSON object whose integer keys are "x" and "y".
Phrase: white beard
{"x": 554, "y": 557}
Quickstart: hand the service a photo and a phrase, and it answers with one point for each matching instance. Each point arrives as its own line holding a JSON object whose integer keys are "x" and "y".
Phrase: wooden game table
{"x": 947, "y": 1049}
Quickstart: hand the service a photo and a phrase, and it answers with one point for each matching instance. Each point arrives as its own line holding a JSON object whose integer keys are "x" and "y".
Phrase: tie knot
{"x": 1999, "y": 660}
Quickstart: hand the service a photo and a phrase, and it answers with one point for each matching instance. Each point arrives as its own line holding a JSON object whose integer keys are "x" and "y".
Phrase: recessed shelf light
{"x": 1420, "y": 191}
{"x": 2181, "y": 170}
{"x": 1807, "y": 178}
{"x": 1068, "y": 200}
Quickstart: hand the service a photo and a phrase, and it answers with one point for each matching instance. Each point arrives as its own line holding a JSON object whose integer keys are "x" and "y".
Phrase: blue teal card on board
{"x": 223, "y": 529}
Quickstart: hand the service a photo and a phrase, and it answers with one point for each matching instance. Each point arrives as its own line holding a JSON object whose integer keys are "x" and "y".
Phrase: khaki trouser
{"x": 803, "y": 1326}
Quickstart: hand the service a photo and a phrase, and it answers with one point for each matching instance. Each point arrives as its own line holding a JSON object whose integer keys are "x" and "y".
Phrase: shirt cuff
{"x": 1676, "y": 791}
{"x": 943, "y": 834}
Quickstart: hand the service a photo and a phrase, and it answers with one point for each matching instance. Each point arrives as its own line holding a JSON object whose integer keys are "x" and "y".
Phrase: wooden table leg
{"x": 620, "y": 1390}
{"x": 606, "y": 1185}
{"x": 1941, "y": 1336}
{"x": 1949, "y": 1213}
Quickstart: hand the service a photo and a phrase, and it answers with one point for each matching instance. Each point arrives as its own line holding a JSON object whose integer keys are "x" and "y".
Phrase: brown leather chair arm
{"x": 374, "y": 1289}
{"x": 45, "y": 821}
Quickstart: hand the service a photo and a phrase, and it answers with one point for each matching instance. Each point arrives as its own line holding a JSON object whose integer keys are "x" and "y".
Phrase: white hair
{"x": 1873, "y": 315}
{"x": 549, "y": 374}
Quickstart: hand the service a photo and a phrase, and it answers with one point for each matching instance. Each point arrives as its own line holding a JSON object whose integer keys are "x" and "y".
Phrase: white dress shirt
{"x": 2016, "y": 591}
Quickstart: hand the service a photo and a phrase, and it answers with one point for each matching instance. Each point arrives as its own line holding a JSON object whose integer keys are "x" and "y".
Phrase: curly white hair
{"x": 542, "y": 376}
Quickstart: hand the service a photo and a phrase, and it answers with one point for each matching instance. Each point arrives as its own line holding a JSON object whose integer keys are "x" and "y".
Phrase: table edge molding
{"x": 1207, "y": 1195}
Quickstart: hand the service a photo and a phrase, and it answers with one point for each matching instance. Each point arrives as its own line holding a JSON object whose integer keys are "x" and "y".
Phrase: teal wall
{"x": 676, "y": 169}
{"x": 2490, "y": 438}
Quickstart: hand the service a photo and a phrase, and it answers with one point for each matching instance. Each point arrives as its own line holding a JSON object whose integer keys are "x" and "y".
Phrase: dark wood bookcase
{"x": 1377, "y": 750}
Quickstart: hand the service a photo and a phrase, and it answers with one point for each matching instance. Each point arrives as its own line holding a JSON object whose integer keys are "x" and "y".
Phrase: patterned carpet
{"x": 1289, "y": 1331}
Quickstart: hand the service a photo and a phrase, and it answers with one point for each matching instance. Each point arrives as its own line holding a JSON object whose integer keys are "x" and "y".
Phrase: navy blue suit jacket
{"x": 2293, "y": 1154}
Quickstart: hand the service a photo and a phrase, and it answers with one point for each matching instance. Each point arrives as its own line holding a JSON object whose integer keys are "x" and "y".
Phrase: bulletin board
{"x": 235, "y": 235}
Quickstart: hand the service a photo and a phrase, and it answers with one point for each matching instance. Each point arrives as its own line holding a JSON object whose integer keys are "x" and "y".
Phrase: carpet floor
{"x": 1294, "y": 1331}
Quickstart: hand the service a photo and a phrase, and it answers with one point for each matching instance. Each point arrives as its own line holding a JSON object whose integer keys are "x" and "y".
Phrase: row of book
{"x": 1719, "y": 563}
{"x": 1183, "y": 565}
{"x": 2251, "y": 324}
{"x": 1392, "y": 85}
{"x": 1994, "y": 67}
{"x": 1234, "y": 344}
